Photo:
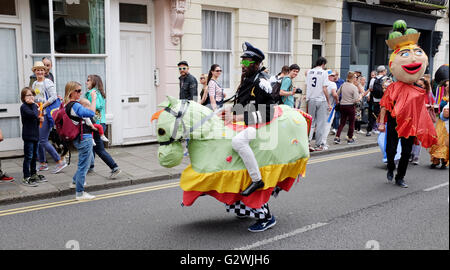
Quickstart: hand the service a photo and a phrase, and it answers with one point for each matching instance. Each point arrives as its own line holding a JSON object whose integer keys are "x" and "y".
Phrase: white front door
{"x": 10, "y": 81}
{"x": 137, "y": 85}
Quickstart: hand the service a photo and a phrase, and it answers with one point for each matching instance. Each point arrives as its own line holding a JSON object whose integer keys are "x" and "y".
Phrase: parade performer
{"x": 253, "y": 152}
{"x": 440, "y": 152}
{"x": 404, "y": 104}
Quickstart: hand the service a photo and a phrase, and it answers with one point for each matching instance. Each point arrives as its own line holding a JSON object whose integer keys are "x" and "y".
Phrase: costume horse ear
{"x": 170, "y": 102}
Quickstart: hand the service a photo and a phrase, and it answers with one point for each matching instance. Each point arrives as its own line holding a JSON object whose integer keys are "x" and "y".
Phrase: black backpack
{"x": 276, "y": 86}
{"x": 377, "y": 88}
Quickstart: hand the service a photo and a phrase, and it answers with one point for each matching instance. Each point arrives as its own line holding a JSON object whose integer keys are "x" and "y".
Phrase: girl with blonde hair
{"x": 84, "y": 142}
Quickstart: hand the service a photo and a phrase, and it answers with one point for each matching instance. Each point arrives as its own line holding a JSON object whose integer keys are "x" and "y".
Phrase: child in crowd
{"x": 440, "y": 152}
{"x": 96, "y": 127}
{"x": 31, "y": 119}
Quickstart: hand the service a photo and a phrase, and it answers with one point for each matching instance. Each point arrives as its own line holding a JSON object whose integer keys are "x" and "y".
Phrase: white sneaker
{"x": 333, "y": 131}
{"x": 86, "y": 196}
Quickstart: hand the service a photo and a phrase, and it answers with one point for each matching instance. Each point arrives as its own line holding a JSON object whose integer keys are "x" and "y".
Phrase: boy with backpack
{"x": 376, "y": 93}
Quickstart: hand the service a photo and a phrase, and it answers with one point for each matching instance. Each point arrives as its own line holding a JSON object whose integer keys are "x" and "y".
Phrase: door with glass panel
{"x": 137, "y": 86}
{"x": 10, "y": 81}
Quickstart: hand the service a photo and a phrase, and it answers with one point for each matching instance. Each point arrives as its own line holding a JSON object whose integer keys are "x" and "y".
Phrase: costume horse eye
{"x": 161, "y": 132}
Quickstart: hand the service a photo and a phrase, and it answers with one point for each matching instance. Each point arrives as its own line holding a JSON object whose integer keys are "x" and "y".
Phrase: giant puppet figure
{"x": 404, "y": 103}
{"x": 278, "y": 146}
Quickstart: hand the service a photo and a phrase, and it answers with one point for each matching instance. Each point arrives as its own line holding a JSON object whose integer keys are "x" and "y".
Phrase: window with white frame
{"x": 280, "y": 43}
{"x": 75, "y": 41}
{"x": 216, "y": 43}
{"x": 317, "y": 42}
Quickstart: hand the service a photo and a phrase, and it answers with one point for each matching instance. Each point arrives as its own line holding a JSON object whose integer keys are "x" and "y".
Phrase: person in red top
{"x": 403, "y": 106}
{"x": 3, "y": 176}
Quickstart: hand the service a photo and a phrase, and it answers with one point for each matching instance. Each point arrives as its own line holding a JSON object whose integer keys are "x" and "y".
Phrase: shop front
{"x": 367, "y": 26}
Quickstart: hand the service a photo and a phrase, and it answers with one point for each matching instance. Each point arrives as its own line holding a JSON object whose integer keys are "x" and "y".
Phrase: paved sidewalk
{"x": 139, "y": 164}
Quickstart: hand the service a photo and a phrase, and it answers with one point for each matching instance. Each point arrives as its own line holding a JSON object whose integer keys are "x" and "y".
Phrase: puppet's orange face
{"x": 408, "y": 63}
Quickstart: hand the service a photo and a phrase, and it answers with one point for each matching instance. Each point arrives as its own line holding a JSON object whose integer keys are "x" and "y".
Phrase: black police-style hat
{"x": 252, "y": 52}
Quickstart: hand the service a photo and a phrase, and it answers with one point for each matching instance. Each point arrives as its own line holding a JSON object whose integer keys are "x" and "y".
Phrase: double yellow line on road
{"x": 97, "y": 197}
{"x": 152, "y": 188}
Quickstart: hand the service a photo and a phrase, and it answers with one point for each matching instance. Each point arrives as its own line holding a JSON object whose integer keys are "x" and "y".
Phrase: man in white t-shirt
{"x": 318, "y": 101}
{"x": 334, "y": 99}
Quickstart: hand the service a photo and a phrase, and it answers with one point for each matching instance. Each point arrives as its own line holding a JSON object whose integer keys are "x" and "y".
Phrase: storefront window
{"x": 8, "y": 7}
{"x": 360, "y": 50}
{"x": 79, "y": 26}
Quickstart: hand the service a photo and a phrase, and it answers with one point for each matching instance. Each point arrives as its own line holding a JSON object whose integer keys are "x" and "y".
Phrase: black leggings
{"x": 391, "y": 148}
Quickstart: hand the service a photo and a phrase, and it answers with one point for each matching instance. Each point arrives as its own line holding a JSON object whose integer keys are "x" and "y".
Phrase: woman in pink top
{"x": 215, "y": 91}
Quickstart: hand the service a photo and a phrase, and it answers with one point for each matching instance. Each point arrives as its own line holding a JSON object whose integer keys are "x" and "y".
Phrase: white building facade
{"x": 135, "y": 45}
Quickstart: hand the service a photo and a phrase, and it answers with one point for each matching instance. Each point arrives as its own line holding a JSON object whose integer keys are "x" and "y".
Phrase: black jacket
{"x": 30, "y": 122}
{"x": 255, "y": 99}
{"x": 188, "y": 87}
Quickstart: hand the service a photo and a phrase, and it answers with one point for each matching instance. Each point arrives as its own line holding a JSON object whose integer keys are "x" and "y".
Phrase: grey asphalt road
{"x": 343, "y": 203}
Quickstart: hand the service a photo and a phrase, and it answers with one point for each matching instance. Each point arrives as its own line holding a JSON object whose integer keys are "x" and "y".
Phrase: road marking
{"x": 283, "y": 236}
{"x": 372, "y": 151}
{"x": 98, "y": 197}
{"x": 152, "y": 188}
{"x": 436, "y": 187}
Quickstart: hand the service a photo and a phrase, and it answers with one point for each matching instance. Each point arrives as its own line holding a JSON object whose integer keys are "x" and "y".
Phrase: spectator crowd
{"x": 333, "y": 103}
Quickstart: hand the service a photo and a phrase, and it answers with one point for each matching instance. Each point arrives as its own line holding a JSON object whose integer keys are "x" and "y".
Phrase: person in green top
{"x": 94, "y": 82}
{"x": 287, "y": 90}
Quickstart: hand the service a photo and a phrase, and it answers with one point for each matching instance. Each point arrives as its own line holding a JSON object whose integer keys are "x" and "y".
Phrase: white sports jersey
{"x": 316, "y": 79}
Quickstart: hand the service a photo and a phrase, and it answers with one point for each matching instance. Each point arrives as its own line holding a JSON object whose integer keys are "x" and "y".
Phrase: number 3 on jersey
{"x": 314, "y": 82}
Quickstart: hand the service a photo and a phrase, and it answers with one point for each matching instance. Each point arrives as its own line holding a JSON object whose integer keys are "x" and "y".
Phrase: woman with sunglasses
{"x": 83, "y": 142}
{"x": 204, "y": 93}
{"x": 215, "y": 91}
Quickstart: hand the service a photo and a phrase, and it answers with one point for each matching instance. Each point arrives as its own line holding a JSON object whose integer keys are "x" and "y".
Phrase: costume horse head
{"x": 281, "y": 149}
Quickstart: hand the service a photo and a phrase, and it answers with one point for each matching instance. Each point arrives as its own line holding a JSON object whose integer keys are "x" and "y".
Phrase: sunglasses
{"x": 219, "y": 70}
{"x": 182, "y": 68}
{"x": 78, "y": 91}
{"x": 247, "y": 63}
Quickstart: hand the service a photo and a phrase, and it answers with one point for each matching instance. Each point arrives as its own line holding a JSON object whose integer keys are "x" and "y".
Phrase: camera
{"x": 298, "y": 91}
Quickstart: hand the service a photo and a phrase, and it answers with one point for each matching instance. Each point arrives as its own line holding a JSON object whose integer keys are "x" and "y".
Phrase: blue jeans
{"x": 99, "y": 149}
{"x": 30, "y": 149}
{"x": 84, "y": 148}
{"x": 44, "y": 144}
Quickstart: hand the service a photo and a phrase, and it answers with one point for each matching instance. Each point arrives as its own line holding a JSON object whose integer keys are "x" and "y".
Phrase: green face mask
{"x": 247, "y": 63}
